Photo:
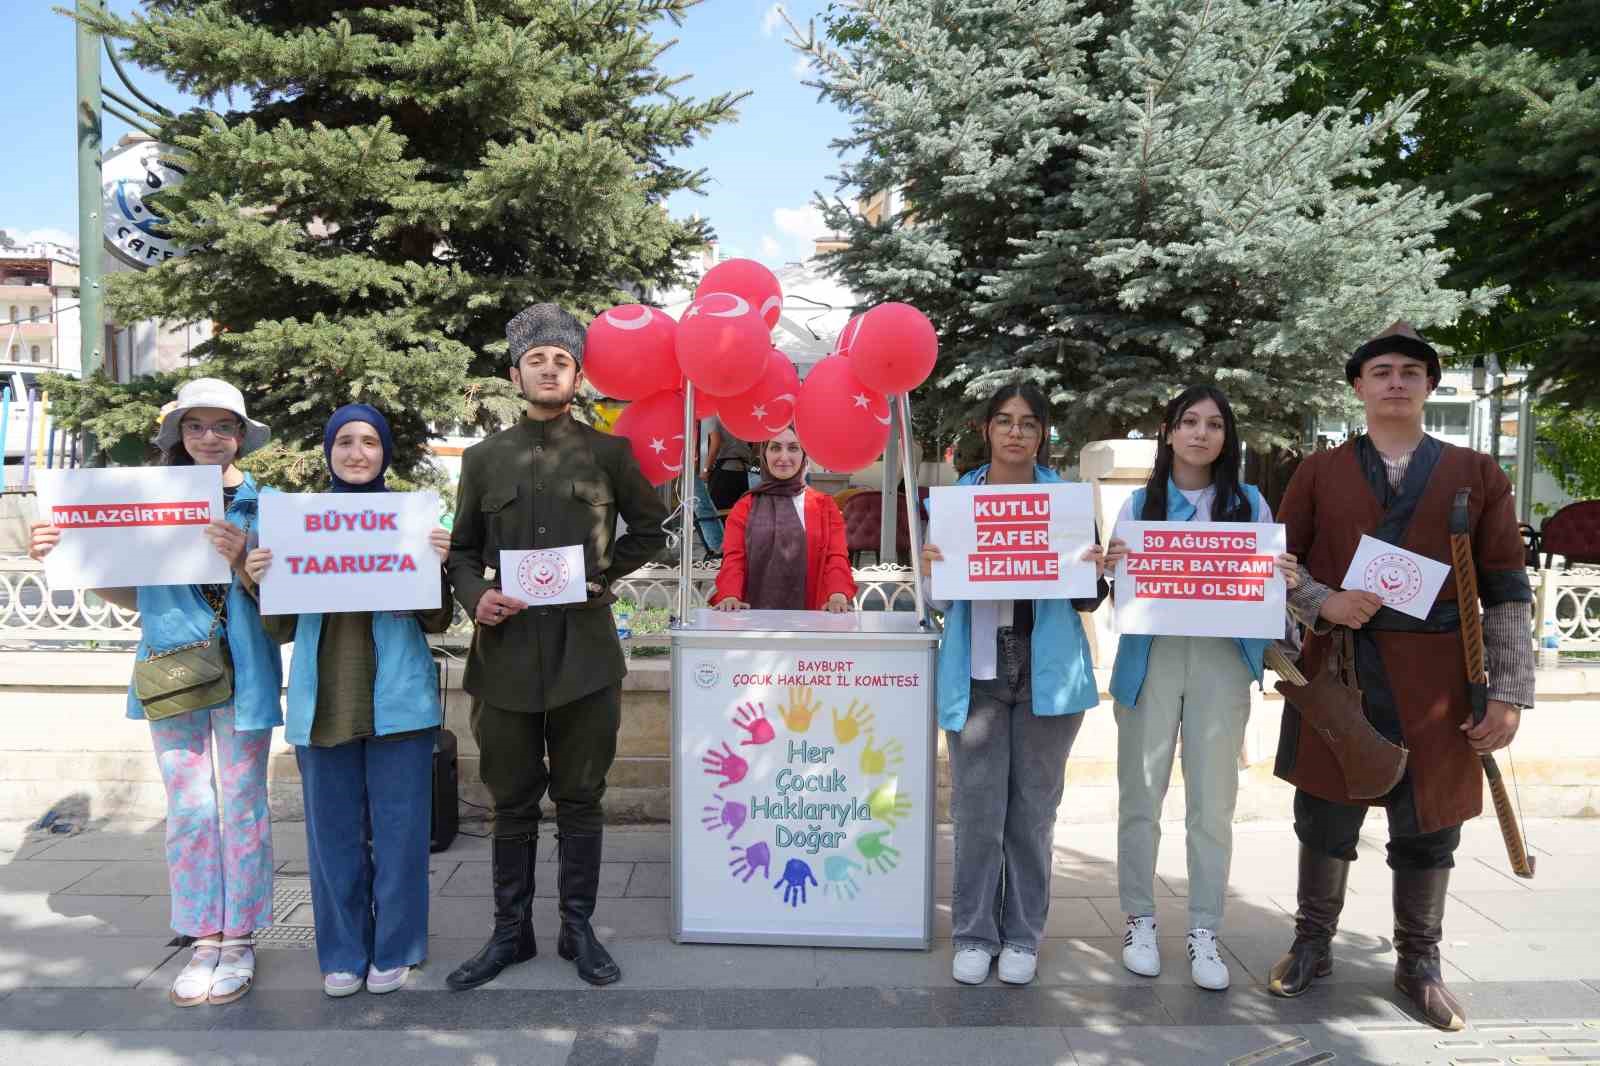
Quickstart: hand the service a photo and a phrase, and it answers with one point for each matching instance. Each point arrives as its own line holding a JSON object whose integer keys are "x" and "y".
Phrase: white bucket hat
{"x": 210, "y": 392}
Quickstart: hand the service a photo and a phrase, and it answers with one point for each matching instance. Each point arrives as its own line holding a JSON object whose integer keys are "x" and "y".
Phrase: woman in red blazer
{"x": 784, "y": 546}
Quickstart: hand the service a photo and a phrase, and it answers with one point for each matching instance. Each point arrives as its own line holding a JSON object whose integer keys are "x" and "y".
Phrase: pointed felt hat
{"x": 1401, "y": 338}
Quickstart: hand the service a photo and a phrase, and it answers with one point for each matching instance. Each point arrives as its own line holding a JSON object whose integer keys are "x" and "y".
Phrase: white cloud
{"x": 772, "y": 21}
{"x": 771, "y": 248}
{"x": 802, "y": 66}
{"x": 44, "y": 234}
{"x": 801, "y": 223}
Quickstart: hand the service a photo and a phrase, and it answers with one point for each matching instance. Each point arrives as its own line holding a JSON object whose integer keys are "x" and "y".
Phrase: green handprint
{"x": 800, "y": 709}
{"x": 886, "y": 804}
{"x": 881, "y": 857}
{"x": 857, "y": 718}
{"x": 875, "y": 760}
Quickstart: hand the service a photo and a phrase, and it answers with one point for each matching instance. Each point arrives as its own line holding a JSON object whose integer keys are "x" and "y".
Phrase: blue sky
{"x": 764, "y": 170}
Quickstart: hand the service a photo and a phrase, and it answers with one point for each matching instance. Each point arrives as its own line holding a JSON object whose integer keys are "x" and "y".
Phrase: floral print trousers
{"x": 219, "y": 834}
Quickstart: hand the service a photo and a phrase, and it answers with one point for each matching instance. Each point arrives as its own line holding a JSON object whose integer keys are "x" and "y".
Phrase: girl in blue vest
{"x": 1194, "y": 687}
{"x": 363, "y": 714}
{"x": 1013, "y": 680}
{"x": 219, "y": 837}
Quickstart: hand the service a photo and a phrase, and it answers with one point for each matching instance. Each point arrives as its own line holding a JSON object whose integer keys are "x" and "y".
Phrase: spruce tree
{"x": 393, "y": 183}
{"x": 1099, "y": 197}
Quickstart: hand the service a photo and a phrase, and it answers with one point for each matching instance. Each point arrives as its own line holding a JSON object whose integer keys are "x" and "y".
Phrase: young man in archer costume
{"x": 546, "y": 681}
{"x": 1397, "y": 484}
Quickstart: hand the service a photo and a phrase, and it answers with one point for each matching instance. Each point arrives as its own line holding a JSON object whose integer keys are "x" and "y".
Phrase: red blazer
{"x": 827, "y": 561}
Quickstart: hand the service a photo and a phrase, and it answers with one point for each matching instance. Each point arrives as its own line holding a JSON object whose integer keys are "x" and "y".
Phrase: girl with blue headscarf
{"x": 363, "y": 713}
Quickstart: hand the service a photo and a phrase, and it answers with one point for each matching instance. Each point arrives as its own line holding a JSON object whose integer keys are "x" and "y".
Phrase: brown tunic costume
{"x": 1412, "y": 673}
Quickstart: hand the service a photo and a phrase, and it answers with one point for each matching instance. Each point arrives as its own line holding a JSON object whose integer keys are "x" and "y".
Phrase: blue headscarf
{"x": 359, "y": 412}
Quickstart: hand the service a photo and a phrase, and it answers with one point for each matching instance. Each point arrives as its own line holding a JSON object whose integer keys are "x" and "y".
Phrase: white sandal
{"x": 193, "y": 984}
{"x": 235, "y": 972}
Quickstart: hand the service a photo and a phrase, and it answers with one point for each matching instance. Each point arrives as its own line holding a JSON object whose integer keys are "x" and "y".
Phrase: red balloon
{"x": 705, "y": 404}
{"x": 894, "y": 348}
{"x": 723, "y": 343}
{"x": 654, "y": 426}
{"x": 842, "y": 423}
{"x": 629, "y": 352}
{"x": 847, "y": 336}
{"x": 764, "y": 411}
{"x": 747, "y": 278}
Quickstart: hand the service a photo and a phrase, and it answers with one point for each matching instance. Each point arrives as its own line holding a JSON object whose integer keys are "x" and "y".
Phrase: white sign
{"x": 1201, "y": 579}
{"x": 349, "y": 551}
{"x": 1408, "y": 582}
{"x": 133, "y": 526}
{"x": 1012, "y": 542}
{"x": 545, "y": 575}
{"x": 133, "y": 229}
{"x": 801, "y": 806}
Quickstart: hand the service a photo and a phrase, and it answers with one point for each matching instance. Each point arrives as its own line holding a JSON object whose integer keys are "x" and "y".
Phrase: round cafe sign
{"x": 133, "y": 230}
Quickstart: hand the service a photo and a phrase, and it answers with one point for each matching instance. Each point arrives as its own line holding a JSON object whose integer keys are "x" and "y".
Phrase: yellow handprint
{"x": 875, "y": 760}
{"x": 857, "y": 718}
{"x": 799, "y": 711}
{"x": 886, "y": 804}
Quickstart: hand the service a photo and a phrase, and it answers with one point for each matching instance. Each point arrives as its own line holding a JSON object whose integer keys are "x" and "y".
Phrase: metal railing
{"x": 31, "y": 611}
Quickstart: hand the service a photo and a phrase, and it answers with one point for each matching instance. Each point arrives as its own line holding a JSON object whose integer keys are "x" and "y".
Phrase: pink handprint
{"x": 730, "y": 813}
{"x": 731, "y": 767}
{"x": 747, "y": 861}
{"x": 752, "y": 718}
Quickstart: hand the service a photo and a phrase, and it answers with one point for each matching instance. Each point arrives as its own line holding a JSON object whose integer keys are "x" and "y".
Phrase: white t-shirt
{"x": 1200, "y": 498}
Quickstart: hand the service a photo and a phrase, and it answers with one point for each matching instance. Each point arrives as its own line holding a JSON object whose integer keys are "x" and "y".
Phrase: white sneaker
{"x": 1139, "y": 951}
{"x": 340, "y": 985}
{"x": 380, "y": 982}
{"x": 971, "y": 966}
{"x": 1017, "y": 967}
{"x": 1205, "y": 964}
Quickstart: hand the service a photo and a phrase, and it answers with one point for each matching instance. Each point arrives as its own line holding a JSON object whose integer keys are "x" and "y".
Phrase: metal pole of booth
{"x": 913, "y": 506}
{"x": 686, "y": 507}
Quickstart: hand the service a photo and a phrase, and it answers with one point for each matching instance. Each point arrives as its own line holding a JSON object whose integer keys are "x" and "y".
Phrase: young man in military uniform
{"x": 1397, "y": 484}
{"x": 546, "y": 681}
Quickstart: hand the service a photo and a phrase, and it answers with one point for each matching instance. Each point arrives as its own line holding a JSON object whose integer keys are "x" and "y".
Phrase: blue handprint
{"x": 747, "y": 861}
{"x": 730, "y": 813}
{"x": 840, "y": 873}
{"x": 793, "y": 882}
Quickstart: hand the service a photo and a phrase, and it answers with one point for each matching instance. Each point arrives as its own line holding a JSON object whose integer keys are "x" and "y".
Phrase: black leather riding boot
{"x": 580, "y": 884}
{"x": 512, "y": 940}
{"x": 1321, "y": 898}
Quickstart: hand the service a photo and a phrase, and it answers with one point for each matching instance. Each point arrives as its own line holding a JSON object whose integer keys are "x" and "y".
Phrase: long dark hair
{"x": 1229, "y": 504}
{"x": 1034, "y": 397}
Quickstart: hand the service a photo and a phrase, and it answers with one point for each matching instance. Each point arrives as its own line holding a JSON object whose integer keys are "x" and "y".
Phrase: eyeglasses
{"x": 198, "y": 430}
{"x": 1027, "y": 427}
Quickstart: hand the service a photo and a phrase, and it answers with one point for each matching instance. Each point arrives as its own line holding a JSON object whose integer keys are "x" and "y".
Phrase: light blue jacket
{"x": 1133, "y": 650}
{"x": 405, "y": 695}
{"x": 172, "y": 615}
{"x": 1062, "y": 672}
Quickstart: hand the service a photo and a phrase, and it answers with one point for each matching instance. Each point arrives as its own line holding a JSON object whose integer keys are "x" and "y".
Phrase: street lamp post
{"x": 91, "y": 256}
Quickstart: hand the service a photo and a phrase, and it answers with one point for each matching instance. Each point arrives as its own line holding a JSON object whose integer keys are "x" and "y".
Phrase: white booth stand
{"x": 803, "y": 779}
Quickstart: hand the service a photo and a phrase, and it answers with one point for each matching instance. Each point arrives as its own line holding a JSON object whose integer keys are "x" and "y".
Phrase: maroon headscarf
{"x": 775, "y": 546}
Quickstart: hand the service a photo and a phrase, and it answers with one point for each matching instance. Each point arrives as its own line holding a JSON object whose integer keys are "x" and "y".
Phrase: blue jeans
{"x": 705, "y": 516}
{"x": 369, "y": 804}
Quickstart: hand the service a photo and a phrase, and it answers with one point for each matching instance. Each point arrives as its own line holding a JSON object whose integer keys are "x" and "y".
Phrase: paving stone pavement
{"x": 86, "y": 956}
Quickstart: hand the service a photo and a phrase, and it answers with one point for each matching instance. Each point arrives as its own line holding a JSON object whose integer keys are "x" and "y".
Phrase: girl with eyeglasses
{"x": 1197, "y": 688}
{"x": 1013, "y": 679}
{"x": 213, "y": 760}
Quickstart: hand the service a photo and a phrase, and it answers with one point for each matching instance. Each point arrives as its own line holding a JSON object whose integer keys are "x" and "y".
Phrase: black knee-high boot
{"x": 1419, "y": 897}
{"x": 512, "y": 940}
{"x": 1320, "y": 899}
{"x": 580, "y": 884}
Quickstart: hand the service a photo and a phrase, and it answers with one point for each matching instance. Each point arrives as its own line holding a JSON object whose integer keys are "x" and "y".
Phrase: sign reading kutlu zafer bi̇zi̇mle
{"x": 805, "y": 794}
{"x": 1012, "y": 542}
{"x": 1201, "y": 579}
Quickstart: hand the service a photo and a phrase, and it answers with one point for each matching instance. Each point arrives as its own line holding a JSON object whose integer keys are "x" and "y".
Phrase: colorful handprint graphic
{"x": 840, "y": 873}
{"x": 876, "y": 760}
{"x": 800, "y": 709}
{"x": 729, "y": 813}
{"x": 857, "y": 718}
{"x": 752, "y": 718}
{"x": 747, "y": 861}
{"x": 886, "y": 803}
{"x": 725, "y": 764}
{"x": 796, "y": 874}
{"x": 881, "y": 857}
